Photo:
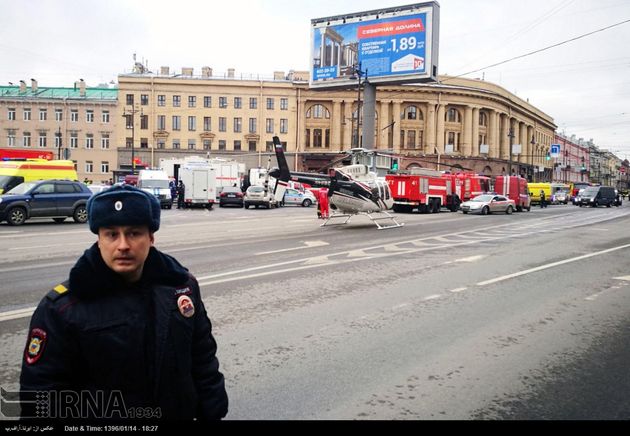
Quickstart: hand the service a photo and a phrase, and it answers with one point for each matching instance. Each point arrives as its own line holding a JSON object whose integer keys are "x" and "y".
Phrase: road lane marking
{"x": 551, "y": 265}
{"x": 307, "y": 244}
{"x": 17, "y": 314}
{"x": 626, "y": 278}
{"x": 456, "y": 290}
{"x": 30, "y": 267}
{"x": 432, "y": 297}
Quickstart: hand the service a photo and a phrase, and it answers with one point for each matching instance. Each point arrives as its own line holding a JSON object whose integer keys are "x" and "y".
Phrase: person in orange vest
{"x": 322, "y": 203}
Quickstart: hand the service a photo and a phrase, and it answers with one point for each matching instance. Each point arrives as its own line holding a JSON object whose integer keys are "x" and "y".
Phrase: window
{"x": 238, "y": 102}
{"x": 453, "y": 116}
{"x": 11, "y": 138}
{"x": 42, "y": 139}
{"x": 284, "y": 104}
{"x": 11, "y": 114}
{"x": 253, "y": 103}
{"x": 129, "y": 121}
{"x": 129, "y": 99}
{"x": 144, "y": 99}
{"x": 105, "y": 141}
{"x": 27, "y": 114}
{"x": 161, "y": 122}
{"x": 192, "y": 144}
{"x": 222, "y": 102}
{"x": 177, "y": 122}
{"x": 177, "y": 100}
{"x": 74, "y": 115}
{"x": 284, "y": 125}
{"x": 318, "y": 111}
{"x": 269, "y": 125}
{"x": 252, "y": 145}
{"x": 144, "y": 122}
{"x": 104, "y": 167}
{"x": 222, "y": 124}
{"x": 270, "y": 104}
{"x": 482, "y": 139}
{"x": 411, "y": 139}
{"x": 89, "y": 116}
{"x": 412, "y": 113}
{"x": 43, "y": 114}
{"x": 89, "y": 141}
{"x": 161, "y": 144}
{"x": 237, "y": 145}
{"x": 238, "y": 125}
{"x": 317, "y": 137}
{"x": 483, "y": 119}
{"x": 128, "y": 142}
{"x": 207, "y": 101}
{"x": 57, "y": 140}
{"x": 58, "y": 114}
{"x": 308, "y": 137}
{"x": 207, "y": 124}
{"x": 207, "y": 144}
{"x": 74, "y": 140}
{"x": 161, "y": 100}
{"x": 452, "y": 138}
{"x": 176, "y": 144}
{"x": 252, "y": 125}
{"x": 192, "y": 101}
{"x": 26, "y": 139}
{"x": 222, "y": 144}
{"x": 192, "y": 123}
{"x": 89, "y": 166}
{"x": 105, "y": 117}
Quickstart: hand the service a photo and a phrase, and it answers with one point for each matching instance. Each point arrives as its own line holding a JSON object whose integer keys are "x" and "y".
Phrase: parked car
{"x": 95, "y": 189}
{"x": 488, "y": 203}
{"x": 231, "y": 195}
{"x": 299, "y": 198}
{"x": 598, "y": 196}
{"x": 256, "y": 196}
{"x": 560, "y": 196}
{"x": 56, "y": 199}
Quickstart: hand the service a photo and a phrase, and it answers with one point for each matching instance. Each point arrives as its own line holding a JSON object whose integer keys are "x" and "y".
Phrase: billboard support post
{"x": 369, "y": 114}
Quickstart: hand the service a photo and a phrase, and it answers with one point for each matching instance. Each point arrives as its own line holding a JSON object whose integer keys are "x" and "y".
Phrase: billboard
{"x": 393, "y": 45}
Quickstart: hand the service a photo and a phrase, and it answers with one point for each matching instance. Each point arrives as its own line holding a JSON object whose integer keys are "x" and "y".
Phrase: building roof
{"x": 59, "y": 93}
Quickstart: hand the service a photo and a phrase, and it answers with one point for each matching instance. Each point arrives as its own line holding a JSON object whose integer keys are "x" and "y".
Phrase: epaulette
{"x": 58, "y": 291}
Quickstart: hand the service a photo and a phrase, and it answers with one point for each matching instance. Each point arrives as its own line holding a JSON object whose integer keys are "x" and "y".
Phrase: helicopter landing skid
{"x": 375, "y": 219}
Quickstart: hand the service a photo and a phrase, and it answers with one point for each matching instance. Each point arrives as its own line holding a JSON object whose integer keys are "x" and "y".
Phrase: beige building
{"x": 77, "y": 122}
{"x": 459, "y": 123}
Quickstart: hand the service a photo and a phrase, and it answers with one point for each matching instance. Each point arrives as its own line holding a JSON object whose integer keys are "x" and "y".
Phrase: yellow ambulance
{"x": 14, "y": 172}
{"x": 534, "y": 191}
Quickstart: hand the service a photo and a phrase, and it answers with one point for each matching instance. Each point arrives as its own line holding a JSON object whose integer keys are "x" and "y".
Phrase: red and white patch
{"x": 36, "y": 345}
{"x": 186, "y": 306}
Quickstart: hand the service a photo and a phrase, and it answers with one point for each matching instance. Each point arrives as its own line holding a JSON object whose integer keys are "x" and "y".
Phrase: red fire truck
{"x": 425, "y": 190}
{"x": 514, "y": 188}
{"x": 468, "y": 185}
{"x": 13, "y": 154}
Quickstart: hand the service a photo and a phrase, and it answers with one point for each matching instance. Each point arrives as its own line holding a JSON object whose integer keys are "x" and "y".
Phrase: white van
{"x": 200, "y": 185}
{"x": 156, "y": 182}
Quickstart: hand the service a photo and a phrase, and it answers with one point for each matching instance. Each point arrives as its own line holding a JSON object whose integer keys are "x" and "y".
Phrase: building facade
{"x": 76, "y": 123}
{"x": 573, "y": 164}
{"x": 458, "y": 124}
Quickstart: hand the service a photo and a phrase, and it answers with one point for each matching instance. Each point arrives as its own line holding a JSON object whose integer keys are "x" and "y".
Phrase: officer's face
{"x": 125, "y": 248}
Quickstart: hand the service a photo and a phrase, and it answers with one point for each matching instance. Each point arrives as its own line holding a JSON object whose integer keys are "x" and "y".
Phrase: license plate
{"x": 231, "y": 195}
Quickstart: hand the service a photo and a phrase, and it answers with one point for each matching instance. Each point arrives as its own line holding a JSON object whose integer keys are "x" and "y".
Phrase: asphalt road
{"x": 449, "y": 317}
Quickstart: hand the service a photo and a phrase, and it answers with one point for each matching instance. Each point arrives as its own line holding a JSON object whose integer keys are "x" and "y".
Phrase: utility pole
{"x": 359, "y": 73}
{"x": 511, "y": 136}
{"x": 59, "y": 145}
{"x": 132, "y": 113}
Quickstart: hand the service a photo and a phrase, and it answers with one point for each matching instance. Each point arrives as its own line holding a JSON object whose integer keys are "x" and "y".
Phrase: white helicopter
{"x": 352, "y": 190}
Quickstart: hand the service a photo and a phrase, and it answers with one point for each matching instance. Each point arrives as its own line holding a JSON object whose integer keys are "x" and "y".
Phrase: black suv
{"x": 57, "y": 199}
{"x": 598, "y": 196}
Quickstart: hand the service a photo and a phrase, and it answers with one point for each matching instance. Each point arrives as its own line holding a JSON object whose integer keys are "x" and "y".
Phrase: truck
{"x": 200, "y": 185}
{"x": 426, "y": 191}
{"x": 16, "y": 171}
{"x": 468, "y": 185}
{"x": 534, "y": 191}
{"x": 515, "y": 188}
{"x": 228, "y": 172}
{"x": 156, "y": 182}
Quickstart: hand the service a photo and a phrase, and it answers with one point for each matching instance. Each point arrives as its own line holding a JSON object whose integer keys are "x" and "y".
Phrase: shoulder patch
{"x": 58, "y": 291}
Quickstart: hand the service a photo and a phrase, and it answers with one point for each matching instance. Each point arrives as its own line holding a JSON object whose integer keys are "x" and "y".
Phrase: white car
{"x": 488, "y": 203}
{"x": 299, "y": 198}
{"x": 256, "y": 196}
{"x": 98, "y": 188}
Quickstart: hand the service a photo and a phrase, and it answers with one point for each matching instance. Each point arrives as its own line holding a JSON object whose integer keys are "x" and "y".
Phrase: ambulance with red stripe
{"x": 14, "y": 172}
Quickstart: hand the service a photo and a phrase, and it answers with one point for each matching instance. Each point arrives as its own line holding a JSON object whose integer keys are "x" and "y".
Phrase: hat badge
{"x": 118, "y": 205}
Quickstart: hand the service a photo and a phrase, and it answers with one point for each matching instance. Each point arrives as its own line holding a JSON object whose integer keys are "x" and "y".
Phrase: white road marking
{"x": 626, "y": 278}
{"x": 432, "y": 297}
{"x": 471, "y": 258}
{"x": 456, "y": 290}
{"x": 307, "y": 244}
{"x": 29, "y": 267}
{"x": 17, "y": 314}
{"x": 551, "y": 265}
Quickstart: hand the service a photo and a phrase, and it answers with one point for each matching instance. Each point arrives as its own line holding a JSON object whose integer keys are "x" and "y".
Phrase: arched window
{"x": 453, "y": 116}
{"x": 318, "y": 111}
{"x": 412, "y": 113}
{"x": 483, "y": 119}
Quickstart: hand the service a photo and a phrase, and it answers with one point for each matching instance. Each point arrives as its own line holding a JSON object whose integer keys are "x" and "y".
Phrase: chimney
{"x": 33, "y": 85}
{"x": 164, "y": 71}
{"x": 231, "y": 73}
{"x": 206, "y": 72}
{"x": 278, "y": 75}
{"x": 22, "y": 86}
{"x": 81, "y": 88}
{"x": 187, "y": 71}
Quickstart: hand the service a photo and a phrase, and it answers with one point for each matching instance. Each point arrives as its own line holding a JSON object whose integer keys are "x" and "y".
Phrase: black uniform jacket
{"x": 149, "y": 343}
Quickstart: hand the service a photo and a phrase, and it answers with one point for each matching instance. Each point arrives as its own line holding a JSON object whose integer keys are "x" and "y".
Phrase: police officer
{"x": 543, "y": 199}
{"x": 181, "y": 192}
{"x": 128, "y": 325}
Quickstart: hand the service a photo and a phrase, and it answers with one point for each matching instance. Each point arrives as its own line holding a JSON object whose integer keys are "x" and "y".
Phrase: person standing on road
{"x": 181, "y": 192}
{"x": 128, "y": 324}
{"x": 543, "y": 202}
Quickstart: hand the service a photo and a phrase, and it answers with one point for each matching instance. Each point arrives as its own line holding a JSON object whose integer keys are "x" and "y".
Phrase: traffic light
{"x": 583, "y": 166}
{"x": 548, "y": 157}
{"x": 394, "y": 166}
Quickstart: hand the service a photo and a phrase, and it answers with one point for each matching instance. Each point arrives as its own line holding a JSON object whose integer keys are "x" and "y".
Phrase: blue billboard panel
{"x": 390, "y": 46}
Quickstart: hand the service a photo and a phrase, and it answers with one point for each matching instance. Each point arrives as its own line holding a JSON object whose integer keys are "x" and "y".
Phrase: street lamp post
{"x": 359, "y": 74}
{"x": 59, "y": 144}
{"x": 511, "y": 136}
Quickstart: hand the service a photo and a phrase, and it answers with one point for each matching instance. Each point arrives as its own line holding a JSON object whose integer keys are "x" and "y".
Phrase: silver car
{"x": 488, "y": 203}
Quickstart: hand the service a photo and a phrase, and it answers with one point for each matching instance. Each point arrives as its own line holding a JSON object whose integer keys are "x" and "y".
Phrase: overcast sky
{"x": 584, "y": 85}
